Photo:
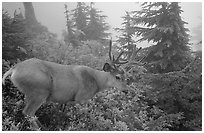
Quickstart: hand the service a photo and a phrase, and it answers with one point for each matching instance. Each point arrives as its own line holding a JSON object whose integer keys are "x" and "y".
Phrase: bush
{"x": 110, "y": 110}
{"x": 170, "y": 101}
{"x": 178, "y": 92}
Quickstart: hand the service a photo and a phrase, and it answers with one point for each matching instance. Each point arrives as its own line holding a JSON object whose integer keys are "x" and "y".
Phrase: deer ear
{"x": 107, "y": 67}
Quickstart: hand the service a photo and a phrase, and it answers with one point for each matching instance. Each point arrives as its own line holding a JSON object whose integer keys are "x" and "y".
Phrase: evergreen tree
{"x": 128, "y": 32}
{"x": 13, "y": 37}
{"x": 80, "y": 18}
{"x": 30, "y": 13}
{"x": 161, "y": 23}
{"x": 97, "y": 27}
{"x": 33, "y": 27}
{"x": 69, "y": 36}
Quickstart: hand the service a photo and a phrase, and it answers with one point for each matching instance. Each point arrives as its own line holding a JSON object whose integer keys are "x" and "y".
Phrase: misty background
{"x": 51, "y": 14}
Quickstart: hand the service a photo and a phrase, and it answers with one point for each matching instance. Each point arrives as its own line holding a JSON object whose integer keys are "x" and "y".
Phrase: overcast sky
{"x": 51, "y": 14}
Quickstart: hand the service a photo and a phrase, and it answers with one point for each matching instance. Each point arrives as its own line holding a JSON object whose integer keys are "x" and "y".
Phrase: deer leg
{"x": 33, "y": 120}
{"x": 33, "y": 103}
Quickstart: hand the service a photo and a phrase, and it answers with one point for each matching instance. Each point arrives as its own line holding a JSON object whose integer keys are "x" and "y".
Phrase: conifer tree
{"x": 69, "y": 35}
{"x": 125, "y": 40}
{"x": 33, "y": 27}
{"x": 161, "y": 23}
{"x": 80, "y": 18}
{"x": 96, "y": 27}
{"x": 13, "y": 36}
{"x": 29, "y": 13}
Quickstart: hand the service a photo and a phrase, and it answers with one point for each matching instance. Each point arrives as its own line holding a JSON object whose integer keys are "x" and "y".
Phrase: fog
{"x": 51, "y": 14}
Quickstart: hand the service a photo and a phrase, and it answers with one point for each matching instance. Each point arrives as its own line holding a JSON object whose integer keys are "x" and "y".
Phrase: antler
{"x": 130, "y": 60}
{"x": 110, "y": 49}
{"x": 132, "y": 57}
{"x": 112, "y": 58}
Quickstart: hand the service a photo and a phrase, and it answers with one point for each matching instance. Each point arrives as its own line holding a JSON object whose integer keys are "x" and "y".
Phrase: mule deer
{"x": 43, "y": 81}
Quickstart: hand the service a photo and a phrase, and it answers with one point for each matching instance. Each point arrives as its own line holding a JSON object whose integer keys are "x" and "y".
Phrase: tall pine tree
{"x": 127, "y": 32}
{"x": 14, "y": 36}
{"x": 33, "y": 27}
{"x": 69, "y": 35}
{"x": 30, "y": 13}
{"x": 97, "y": 27}
{"x": 161, "y": 23}
{"x": 80, "y": 18}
